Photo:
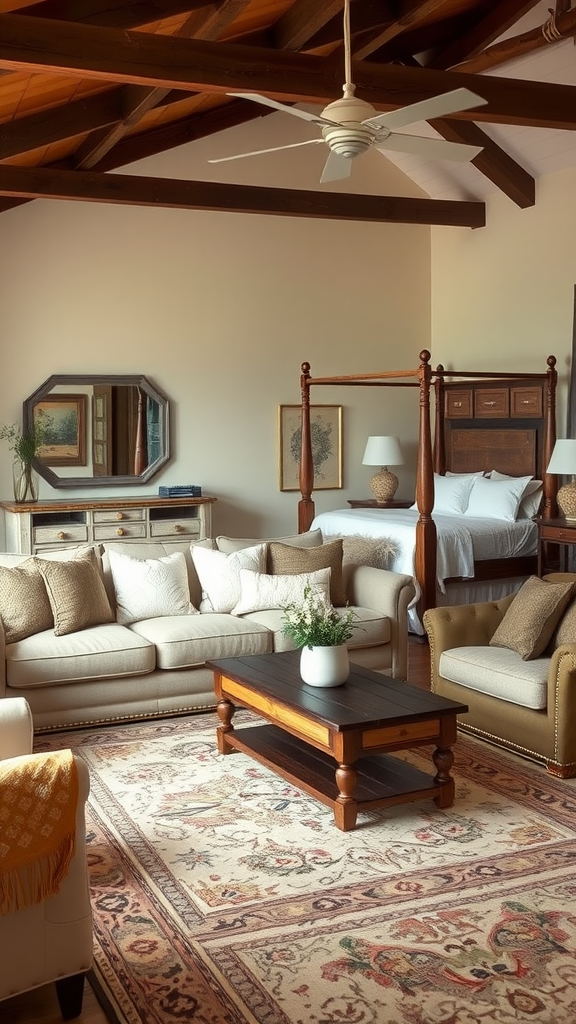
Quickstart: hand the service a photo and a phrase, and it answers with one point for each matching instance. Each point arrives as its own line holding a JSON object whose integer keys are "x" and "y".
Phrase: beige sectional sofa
{"x": 99, "y": 669}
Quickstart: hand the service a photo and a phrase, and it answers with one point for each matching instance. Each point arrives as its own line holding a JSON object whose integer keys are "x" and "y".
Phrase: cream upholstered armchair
{"x": 51, "y": 939}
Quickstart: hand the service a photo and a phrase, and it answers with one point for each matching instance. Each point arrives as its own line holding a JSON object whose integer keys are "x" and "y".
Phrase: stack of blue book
{"x": 180, "y": 491}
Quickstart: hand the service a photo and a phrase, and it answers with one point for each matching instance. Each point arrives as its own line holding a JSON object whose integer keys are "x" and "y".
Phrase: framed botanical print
{"x": 326, "y": 434}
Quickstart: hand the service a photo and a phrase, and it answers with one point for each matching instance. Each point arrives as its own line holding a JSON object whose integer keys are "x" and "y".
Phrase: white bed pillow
{"x": 261, "y": 592}
{"x": 219, "y": 574}
{"x": 452, "y": 493}
{"x": 531, "y": 498}
{"x": 496, "y": 499}
{"x": 149, "y": 587}
{"x": 478, "y": 472}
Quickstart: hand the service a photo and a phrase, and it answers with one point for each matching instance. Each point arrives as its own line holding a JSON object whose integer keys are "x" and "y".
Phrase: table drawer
{"x": 113, "y": 531}
{"x": 525, "y": 402}
{"x": 64, "y": 533}
{"x": 492, "y": 402}
{"x": 119, "y": 515}
{"x": 459, "y": 403}
{"x": 175, "y": 528}
{"x": 558, "y": 535}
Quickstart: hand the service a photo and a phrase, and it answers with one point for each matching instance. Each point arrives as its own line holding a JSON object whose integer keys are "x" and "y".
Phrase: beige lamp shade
{"x": 383, "y": 452}
{"x": 563, "y": 463}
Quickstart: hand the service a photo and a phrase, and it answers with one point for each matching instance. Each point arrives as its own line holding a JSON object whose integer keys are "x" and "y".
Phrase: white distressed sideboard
{"x": 48, "y": 525}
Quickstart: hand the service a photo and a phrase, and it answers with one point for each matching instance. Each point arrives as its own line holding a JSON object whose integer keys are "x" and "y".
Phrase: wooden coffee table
{"x": 334, "y": 743}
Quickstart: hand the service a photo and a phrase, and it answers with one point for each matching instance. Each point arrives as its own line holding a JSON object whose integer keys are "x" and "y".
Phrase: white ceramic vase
{"x": 324, "y": 666}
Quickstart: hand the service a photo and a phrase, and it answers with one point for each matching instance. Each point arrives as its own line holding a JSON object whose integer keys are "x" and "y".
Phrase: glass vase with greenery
{"x": 25, "y": 445}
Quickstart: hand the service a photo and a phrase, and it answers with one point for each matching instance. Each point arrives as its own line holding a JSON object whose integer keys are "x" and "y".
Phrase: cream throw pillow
{"x": 76, "y": 592}
{"x": 261, "y": 592}
{"x": 147, "y": 588}
{"x": 286, "y": 559}
{"x": 219, "y": 574}
{"x": 24, "y": 604}
{"x": 532, "y": 617}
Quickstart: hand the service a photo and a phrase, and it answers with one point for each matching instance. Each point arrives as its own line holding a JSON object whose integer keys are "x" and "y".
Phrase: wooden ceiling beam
{"x": 484, "y": 31}
{"x": 412, "y": 14}
{"x": 113, "y": 13}
{"x": 34, "y": 44}
{"x": 492, "y": 161}
{"x": 123, "y": 189}
{"x": 48, "y": 126}
{"x": 303, "y": 20}
{"x": 516, "y": 46}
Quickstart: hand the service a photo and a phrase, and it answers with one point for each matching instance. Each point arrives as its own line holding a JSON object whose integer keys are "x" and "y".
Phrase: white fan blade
{"x": 258, "y": 152}
{"x": 433, "y": 149}
{"x": 281, "y": 106}
{"x": 336, "y": 168}
{"x": 436, "y": 106}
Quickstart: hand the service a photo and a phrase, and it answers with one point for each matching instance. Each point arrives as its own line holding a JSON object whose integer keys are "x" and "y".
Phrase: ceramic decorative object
{"x": 324, "y": 666}
{"x": 25, "y": 481}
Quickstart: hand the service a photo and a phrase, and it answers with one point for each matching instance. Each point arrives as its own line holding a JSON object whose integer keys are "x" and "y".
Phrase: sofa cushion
{"x": 499, "y": 672}
{"x": 24, "y": 604}
{"x": 147, "y": 587}
{"x": 566, "y": 630}
{"x": 219, "y": 574}
{"x": 532, "y": 617}
{"x": 76, "y": 592}
{"x": 310, "y": 539}
{"x": 371, "y": 629}
{"x": 97, "y": 652}
{"x": 182, "y": 641}
{"x": 287, "y": 559}
{"x": 261, "y": 591}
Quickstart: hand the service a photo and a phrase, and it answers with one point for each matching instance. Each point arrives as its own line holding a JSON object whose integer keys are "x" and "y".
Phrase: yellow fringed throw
{"x": 38, "y": 801}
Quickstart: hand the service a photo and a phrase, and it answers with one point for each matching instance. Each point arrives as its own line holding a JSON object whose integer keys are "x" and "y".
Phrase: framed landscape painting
{"x": 63, "y": 418}
{"x": 326, "y": 433}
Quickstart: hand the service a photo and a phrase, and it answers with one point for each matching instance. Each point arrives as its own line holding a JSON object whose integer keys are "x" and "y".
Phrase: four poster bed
{"x": 481, "y": 477}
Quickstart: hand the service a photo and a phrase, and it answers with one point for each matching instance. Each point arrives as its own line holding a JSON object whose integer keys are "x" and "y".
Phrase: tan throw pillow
{"x": 24, "y": 605}
{"x": 532, "y": 617}
{"x": 76, "y": 592}
{"x": 566, "y": 632}
{"x": 287, "y": 560}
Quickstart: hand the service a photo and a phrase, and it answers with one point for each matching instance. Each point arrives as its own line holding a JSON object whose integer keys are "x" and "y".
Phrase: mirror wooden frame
{"x": 114, "y": 380}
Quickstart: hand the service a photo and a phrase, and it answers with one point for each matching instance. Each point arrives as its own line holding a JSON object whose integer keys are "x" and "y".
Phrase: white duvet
{"x": 461, "y": 539}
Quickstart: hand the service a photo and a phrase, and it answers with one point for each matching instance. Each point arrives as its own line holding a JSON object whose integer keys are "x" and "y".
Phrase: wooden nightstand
{"x": 554, "y": 531}
{"x": 372, "y": 503}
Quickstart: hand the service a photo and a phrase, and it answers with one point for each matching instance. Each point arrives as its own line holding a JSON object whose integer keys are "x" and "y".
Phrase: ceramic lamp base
{"x": 566, "y": 498}
{"x": 384, "y": 486}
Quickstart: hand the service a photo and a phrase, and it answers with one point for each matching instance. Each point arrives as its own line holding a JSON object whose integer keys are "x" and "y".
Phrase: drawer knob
{"x": 178, "y": 528}
{"x": 526, "y": 401}
{"x": 61, "y": 535}
{"x": 119, "y": 532}
{"x": 490, "y": 403}
{"x": 119, "y": 515}
{"x": 457, "y": 405}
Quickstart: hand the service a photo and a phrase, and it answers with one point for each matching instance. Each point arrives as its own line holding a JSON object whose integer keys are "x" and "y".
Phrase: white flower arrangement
{"x": 316, "y": 623}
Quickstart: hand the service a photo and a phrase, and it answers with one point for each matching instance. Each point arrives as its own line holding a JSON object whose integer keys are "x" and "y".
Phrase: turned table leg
{"x": 345, "y": 806}
{"x": 225, "y": 711}
{"x": 443, "y": 758}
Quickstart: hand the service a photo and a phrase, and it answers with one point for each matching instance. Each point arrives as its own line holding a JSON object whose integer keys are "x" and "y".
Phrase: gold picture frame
{"x": 326, "y": 431}
{"x": 64, "y": 418}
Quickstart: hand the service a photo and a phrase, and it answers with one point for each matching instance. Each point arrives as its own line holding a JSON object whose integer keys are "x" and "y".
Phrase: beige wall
{"x": 219, "y": 310}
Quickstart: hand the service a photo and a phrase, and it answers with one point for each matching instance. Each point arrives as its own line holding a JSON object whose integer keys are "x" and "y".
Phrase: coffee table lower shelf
{"x": 382, "y": 780}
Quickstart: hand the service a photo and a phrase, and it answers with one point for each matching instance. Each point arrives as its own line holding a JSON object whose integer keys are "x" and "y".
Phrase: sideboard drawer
{"x": 175, "y": 528}
{"x": 55, "y": 534}
{"x": 525, "y": 402}
{"x": 494, "y": 402}
{"x": 112, "y": 531}
{"x": 459, "y": 403}
{"x": 125, "y": 515}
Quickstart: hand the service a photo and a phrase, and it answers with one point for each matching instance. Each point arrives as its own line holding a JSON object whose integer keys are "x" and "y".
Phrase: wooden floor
{"x": 40, "y": 1006}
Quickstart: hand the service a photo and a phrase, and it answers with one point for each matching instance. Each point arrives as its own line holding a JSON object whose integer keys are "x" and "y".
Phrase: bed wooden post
{"x": 439, "y": 448}
{"x": 425, "y": 554}
{"x": 550, "y": 483}
{"x": 306, "y": 505}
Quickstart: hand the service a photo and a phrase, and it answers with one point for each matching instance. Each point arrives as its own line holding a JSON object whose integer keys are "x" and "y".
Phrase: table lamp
{"x": 563, "y": 463}
{"x": 383, "y": 452}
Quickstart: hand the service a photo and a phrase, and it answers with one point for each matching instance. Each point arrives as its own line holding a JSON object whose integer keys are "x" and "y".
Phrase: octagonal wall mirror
{"x": 100, "y": 431}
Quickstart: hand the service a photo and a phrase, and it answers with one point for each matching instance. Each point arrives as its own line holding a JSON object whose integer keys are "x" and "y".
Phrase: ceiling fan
{"x": 351, "y": 126}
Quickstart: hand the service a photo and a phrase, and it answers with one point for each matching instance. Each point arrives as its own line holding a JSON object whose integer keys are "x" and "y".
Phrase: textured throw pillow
{"x": 260, "y": 592}
{"x": 76, "y": 592}
{"x": 497, "y": 499}
{"x": 219, "y": 574}
{"x": 310, "y": 539}
{"x": 532, "y": 617}
{"x": 147, "y": 588}
{"x": 286, "y": 559}
{"x": 566, "y": 631}
{"x": 368, "y": 551}
{"x": 24, "y": 604}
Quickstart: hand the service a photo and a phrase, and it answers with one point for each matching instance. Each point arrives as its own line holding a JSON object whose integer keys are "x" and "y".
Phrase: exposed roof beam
{"x": 302, "y": 20}
{"x": 124, "y": 189}
{"x": 411, "y": 13}
{"x": 492, "y": 161}
{"x": 484, "y": 32}
{"x": 197, "y": 65}
{"x": 113, "y": 13}
{"x": 517, "y": 46}
{"x": 76, "y": 118}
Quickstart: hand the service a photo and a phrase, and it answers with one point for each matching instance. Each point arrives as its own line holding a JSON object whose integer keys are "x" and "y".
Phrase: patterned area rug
{"x": 223, "y": 895}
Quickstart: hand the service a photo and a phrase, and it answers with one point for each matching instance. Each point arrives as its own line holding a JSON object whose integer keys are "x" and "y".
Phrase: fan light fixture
{"x": 563, "y": 463}
{"x": 384, "y": 452}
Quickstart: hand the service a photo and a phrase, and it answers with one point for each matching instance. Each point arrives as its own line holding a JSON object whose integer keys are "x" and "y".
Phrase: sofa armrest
{"x": 16, "y": 727}
{"x": 2, "y": 660}
{"x": 464, "y": 625}
{"x": 389, "y": 593}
